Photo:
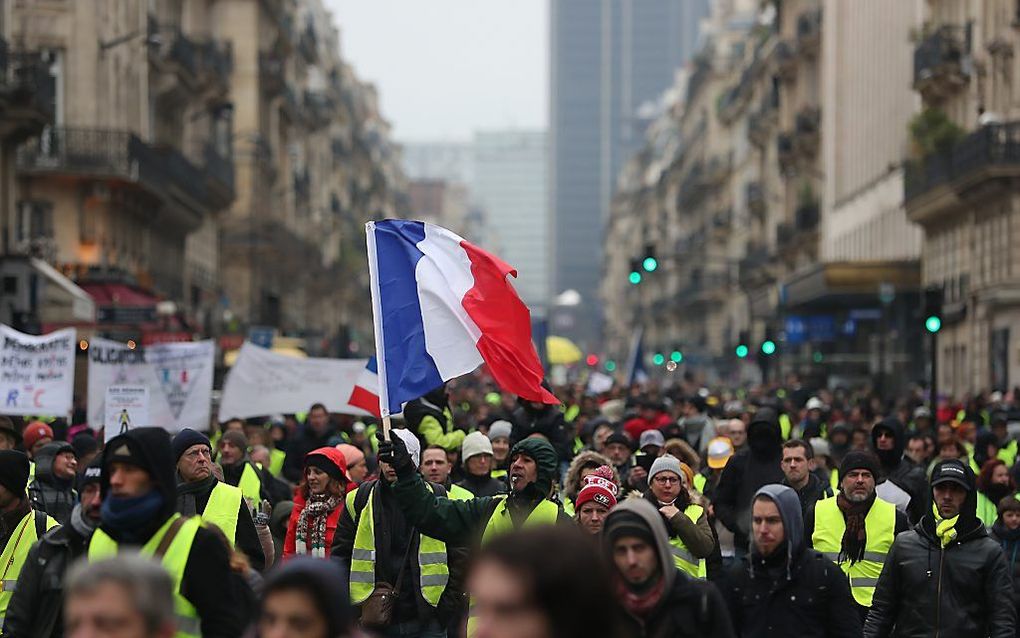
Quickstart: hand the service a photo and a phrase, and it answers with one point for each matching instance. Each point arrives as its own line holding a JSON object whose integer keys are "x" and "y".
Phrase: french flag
{"x": 441, "y": 308}
{"x": 365, "y": 394}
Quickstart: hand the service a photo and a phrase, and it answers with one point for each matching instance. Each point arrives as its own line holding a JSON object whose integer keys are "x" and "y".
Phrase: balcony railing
{"x": 785, "y": 55}
{"x": 785, "y": 149}
{"x": 809, "y": 31}
{"x": 939, "y": 62}
{"x": 995, "y": 146}
{"x": 808, "y": 122}
{"x": 26, "y": 81}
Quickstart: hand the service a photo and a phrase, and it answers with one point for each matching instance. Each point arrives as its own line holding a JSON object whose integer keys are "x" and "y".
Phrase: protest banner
{"x": 127, "y": 407}
{"x": 263, "y": 382}
{"x": 37, "y": 372}
{"x": 179, "y": 377}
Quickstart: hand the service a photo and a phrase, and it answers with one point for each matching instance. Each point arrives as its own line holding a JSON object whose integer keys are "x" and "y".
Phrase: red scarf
{"x": 639, "y": 605}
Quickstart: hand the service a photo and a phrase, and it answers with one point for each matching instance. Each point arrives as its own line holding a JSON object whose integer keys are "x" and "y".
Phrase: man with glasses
{"x": 690, "y": 535}
{"x": 200, "y": 493}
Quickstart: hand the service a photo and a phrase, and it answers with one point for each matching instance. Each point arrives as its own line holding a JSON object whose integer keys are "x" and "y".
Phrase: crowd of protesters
{"x": 644, "y": 511}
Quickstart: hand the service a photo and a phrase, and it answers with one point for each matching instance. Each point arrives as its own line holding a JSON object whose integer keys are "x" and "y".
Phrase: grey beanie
{"x": 665, "y": 463}
{"x": 500, "y": 429}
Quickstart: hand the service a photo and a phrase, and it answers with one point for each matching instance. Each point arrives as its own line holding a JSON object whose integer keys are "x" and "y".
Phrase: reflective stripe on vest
{"x": 251, "y": 485}
{"x": 880, "y": 527}
{"x": 432, "y": 561}
{"x": 175, "y": 559}
{"x": 545, "y": 513}
{"x": 13, "y": 557}
{"x": 222, "y": 508}
{"x": 682, "y": 557}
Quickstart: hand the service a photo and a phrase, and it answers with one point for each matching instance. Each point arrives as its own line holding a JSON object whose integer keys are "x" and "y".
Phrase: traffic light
{"x": 676, "y": 356}
{"x": 768, "y": 347}
{"x": 933, "y": 309}
{"x": 742, "y": 350}
{"x": 658, "y": 358}
{"x": 635, "y": 272}
{"x": 649, "y": 263}
{"x": 592, "y": 360}
{"x": 610, "y": 365}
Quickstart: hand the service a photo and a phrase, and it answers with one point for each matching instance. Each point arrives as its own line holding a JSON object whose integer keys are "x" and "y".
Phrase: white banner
{"x": 37, "y": 372}
{"x": 264, "y": 382}
{"x": 179, "y": 377}
{"x": 127, "y": 407}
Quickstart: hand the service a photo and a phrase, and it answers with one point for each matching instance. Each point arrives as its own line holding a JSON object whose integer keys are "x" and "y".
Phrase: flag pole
{"x": 380, "y": 352}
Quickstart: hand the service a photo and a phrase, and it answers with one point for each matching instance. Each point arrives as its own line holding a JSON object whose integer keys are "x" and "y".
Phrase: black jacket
{"x": 49, "y": 494}
{"x": 811, "y": 493}
{"x": 548, "y": 421}
{"x": 691, "y": 608}
{"x": 814, "y": 602}
{"x": 246, "y": 538}
{"x": 36, "y": 608}
{"x": 208, "y": 582}
{"x": 301, "y": 445}
{"x": 963, "y": 590}
{"x": 482, "y": 485}
{"x": 1010, "y": 544}
{"x": 747, "y": 471}
{"x": 901, "y": 471}
{"x": 393, "y": 537}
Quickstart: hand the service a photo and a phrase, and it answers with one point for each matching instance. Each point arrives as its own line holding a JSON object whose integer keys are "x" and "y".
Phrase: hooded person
{"x": 36, "y": 608}
{"x": 945, "y": 576}
{"x": 430, "y": 419}
{"x": 746, "y": 472}
{"x": 659, "y": 600}
{"x": 840, "y": 441}
{"x": 900, "y": 481}
{"x": 139, "y": 514}
{"x": 201, "y": 493}
{"x": 783, "y": 588}
{"x": 52, "y": 491}
{"x": 533, "y": 417}
{"x": 318, "y": 504}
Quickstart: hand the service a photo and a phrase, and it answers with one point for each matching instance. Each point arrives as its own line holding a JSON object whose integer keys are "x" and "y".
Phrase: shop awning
{"x": 826, "y": 285}
{"x": 63, "y": 301}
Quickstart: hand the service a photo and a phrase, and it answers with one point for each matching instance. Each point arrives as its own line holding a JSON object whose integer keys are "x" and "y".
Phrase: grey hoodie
{"x": 788, "y": 504}
{"x": 653, "y": 520}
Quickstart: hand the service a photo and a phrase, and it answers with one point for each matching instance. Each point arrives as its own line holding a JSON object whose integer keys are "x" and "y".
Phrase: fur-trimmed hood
{"x": 572, "y": 482}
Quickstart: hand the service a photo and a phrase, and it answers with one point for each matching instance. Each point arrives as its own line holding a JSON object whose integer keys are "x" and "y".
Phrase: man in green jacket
{"x": 532, "y": 470}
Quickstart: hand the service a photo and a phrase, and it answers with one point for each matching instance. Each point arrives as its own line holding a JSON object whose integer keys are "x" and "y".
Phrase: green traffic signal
{"x": 635, "y": 277}
{"x": 658, "y": 359}
{"x": 610, "y": 365}
{"x": 768, "y": 347}
{"x": 742, "y": 351}
{"x": 676, "y": 356}
{"x": 933, "y": 324}
{"x": 650, "y": 264}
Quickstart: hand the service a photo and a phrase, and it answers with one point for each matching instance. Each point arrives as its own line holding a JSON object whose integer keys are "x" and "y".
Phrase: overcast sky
{"x": 446, "y": 68}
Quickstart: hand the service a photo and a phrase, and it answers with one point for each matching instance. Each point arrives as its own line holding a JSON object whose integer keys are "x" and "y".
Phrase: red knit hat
{"x": 598, "y": 487}
{"x": 35, "y": 431}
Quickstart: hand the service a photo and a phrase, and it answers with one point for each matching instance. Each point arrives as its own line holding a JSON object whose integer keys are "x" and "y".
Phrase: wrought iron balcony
{"x": 785, "y": 149}
{"x": 807, "y": 126}
{"x": 785, "y": 55}
{"x": 272, "y": 77}
{"x": 939, "y": 68}
{"x": 27, "y": 93}
{"x": 809, "y": 32}
{"x": 991, "y": 152}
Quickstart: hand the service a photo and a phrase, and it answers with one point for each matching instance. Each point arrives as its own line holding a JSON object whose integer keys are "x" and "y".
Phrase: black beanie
{"x": 14, "y": 468}
{"x": 626, "y": 523}
{"x": 185, "y": 439}
{"x": 93, "y": 473}
{"x": 857, "y": 460}
{"x": 322, "y": 462}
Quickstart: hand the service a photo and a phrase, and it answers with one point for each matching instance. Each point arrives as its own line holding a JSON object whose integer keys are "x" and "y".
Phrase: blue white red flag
{"x": 441, "y": 308}
{"x": 365, "y": 394}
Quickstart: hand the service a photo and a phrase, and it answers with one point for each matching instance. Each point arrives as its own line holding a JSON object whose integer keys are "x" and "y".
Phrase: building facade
{"x": 609, "y": 63}
{"x": 963, "y": 187}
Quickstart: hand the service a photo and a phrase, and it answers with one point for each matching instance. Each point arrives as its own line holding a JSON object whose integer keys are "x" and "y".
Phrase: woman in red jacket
{"x": 318, "y": 503}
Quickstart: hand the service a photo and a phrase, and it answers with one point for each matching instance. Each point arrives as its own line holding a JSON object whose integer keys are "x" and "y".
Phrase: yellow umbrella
{"x": 561, "y": 351}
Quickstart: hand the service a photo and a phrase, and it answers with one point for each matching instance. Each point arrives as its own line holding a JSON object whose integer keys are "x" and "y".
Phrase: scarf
{"x": 310, "y": 537}
{"x": 945, "y": 528}
{"x": 855, "y": 536}
{"x": 81, "y": 524}
{"x": 129, "y": 518}
{"x": 640, "y": 603}
{"x": 187, "y": 494}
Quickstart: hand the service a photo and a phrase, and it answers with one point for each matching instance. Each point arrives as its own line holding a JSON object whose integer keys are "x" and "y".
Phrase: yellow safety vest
{"x": 251, "y": 485}
{"x": 545, "y": 513}
{"x": 175, "y": 559}
{"x": 276, "y": 459}
{"x": 568, "y": 507}
{"x": 785, "y": 426}
{"x": 434, "y": 572}
{"x": 498, "y": 474}
{"x": 987, "y": 511}
{"x": 682, "y": 557}
{"x": 880, "y": 527}
{"x": 222, "y": 508}
{"x": 458, "y": 493}
{"x": 699, "y": 482}
{"x": 31, "y": 472}
{"x": 13, "y": 557}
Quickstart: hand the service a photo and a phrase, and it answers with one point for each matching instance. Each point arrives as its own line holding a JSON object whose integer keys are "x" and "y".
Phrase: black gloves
{"x": 394, "y": 453}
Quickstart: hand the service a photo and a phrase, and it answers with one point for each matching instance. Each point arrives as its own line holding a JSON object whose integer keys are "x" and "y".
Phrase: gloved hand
{"x": 262, "y": 514}
{"x": 394, "y": 453}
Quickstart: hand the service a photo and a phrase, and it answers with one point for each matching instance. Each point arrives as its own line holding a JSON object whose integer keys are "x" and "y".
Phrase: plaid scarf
{"x": 310, "y": 537}
{"x": 855, "y": 537}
